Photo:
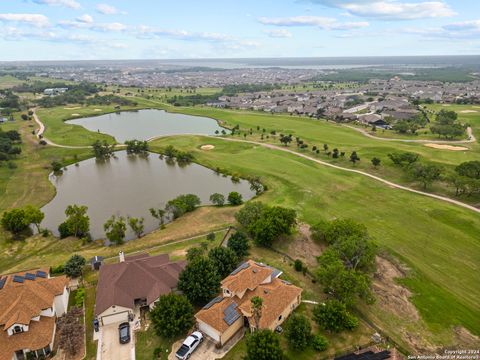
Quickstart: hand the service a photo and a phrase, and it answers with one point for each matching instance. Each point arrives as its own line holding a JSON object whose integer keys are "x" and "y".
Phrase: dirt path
{"x": 471, "y": 137}
{"x": 284, "y": 149}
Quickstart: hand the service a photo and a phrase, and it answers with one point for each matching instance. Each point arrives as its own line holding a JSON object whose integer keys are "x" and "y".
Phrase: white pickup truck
{"x": 189, "y": 345}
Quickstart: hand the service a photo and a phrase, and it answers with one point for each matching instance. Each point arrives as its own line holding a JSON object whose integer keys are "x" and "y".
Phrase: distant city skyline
{"x": 121, "y": 29}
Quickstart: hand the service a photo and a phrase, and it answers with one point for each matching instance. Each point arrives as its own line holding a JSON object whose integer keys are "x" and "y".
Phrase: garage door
{"x": 209, "y": 331}
{"x": 114, "y": 318}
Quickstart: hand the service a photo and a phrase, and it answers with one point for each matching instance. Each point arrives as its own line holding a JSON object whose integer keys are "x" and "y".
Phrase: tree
{"x": 403, "y": 158}
{"x": 196, "y": 251}
{"x": 199, "y": 281}
{"x": 250, "y": 213}
{"x": 158, "y": 214}
{"x": 70, "y": 330}
{"x": 115, "y": 229}
{"x": 256, "y": 304}
{"x": 137, "y": 147}
{"x": 264, "y": 345}
{"x": 333, "y": 316}
{"x": 211, "y": 236}
{"x": 426, "y": 174}
{"x": 235, "y": 198}
{"x": 354, "y": 157}
{"x": 102, "y": 150}
{"x": 224, "y": 259}
{"x": 469, "y": 169}
{"x": 217, "y": 199}
{"x": 15, "y": 221}
{"x": 183, "y": 204}
{"x": 56, "y": 167}
{"x": 357, "y": 252}
{"x": 325, "y": 147}
{"x": 331, "y": 231}
{"x": 74, "y": 266}
{"x": 136, "y": 225}
{"x": 376, "y": 162}
{"x": 34, "y": 215}
{"x": 172, "y": 316}
{"x": 238, "y": 242}
{"x": 298, "y": 332}
{"x": 272, "y": 223}
{"x": 340, "y": 282}
{"x": 77, "y": 223}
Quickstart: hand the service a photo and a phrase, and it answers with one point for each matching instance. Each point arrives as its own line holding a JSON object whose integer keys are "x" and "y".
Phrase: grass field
{"x": 440, "y": 241}
{"x": 469, "y": 114}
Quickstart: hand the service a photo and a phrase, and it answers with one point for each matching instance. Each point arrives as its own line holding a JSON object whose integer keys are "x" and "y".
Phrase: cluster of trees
{"x": 183, "y": 157}
{"x": 18, "y": 220}
{"x": 466, "y": 178}
{"x": 410, "y": 126}
{"x": 9, "y": 102}
{"x": 76, "y": 94}
{"x": 102, "y": 150}
{"x": 264, "y": 223}
{"x": 421, "y": 172}
{"x": 234, "y": 198}
{"x": 345, "y": 270}
{"x": 182, "y": 204}
{"x": 109, "y": 100}
{"x": 446, "y": 125}
{"x": 137, "y": 147}
{"x": 9, "y": 141}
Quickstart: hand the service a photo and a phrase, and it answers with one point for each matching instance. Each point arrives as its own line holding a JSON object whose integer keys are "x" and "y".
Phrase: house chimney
{"x": 121, "y": 256}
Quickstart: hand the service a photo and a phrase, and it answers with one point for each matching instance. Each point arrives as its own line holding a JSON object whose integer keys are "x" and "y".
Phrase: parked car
{"x": 124, "y": 333}
{"x": 189, "y": 345}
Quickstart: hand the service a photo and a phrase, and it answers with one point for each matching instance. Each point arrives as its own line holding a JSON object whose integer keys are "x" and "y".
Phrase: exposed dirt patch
{"x": 447, "y": 147}
{"x": 466, "y": 338}
{"x": 207, "y": 147}
{"x": 391, "y": 295}
{"x": 179, "y": 253}
{"x": 395, "y": 299}
{"x": 304, "y": 247}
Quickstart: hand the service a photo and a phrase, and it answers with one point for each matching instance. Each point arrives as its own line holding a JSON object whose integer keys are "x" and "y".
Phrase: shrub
{"x": 319, "y": 343}
{"x": 298, "y": 331}
{"x": 235, "y": 198}
{"x": 298, "y": 265}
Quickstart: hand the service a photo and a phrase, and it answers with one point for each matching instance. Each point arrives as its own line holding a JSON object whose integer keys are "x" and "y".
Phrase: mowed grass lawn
{"x": 438, "y": 240}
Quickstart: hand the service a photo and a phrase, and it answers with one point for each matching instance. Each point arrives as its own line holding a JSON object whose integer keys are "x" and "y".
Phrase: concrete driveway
{"x": 110, "y": 347}
{"x": 207, "y": 349}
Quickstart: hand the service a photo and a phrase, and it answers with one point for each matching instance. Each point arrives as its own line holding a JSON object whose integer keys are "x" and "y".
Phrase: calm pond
{"x": 130, "y": 186}
{"x": 146, "y": 124}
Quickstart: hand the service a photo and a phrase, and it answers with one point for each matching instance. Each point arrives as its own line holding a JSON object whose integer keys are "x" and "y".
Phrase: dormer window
{"x": 17, "y": 329}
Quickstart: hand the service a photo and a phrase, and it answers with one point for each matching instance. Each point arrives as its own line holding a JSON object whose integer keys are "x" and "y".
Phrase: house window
{"x": 17, "y": 329}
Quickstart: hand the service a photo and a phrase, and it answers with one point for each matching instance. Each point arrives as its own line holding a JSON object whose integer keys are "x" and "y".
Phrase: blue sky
{"x": 121, "y": 29}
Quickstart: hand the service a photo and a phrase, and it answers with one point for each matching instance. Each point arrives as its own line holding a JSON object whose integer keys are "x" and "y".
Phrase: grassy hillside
{"x": 436, "y": 239}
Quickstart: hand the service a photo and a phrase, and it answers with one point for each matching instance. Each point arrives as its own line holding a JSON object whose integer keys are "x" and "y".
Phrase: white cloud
{"x": 104, "y": 27}
{"x": 391, "y": 9}
{"x": 278, "y": 33}
{"x": 87, "y": 19}
{"x": 72, "y": 4}
{"x": 106, "y": 9}
{"x": 325, "y": 23}
{"x": 460, "y": 30}
{"x": 37, "y": 20}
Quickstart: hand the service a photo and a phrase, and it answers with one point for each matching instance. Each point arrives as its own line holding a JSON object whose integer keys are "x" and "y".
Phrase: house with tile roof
{"x": 134, "y": 282}
{"x": 231, "y": 311}
{"x": 30, "y": 302}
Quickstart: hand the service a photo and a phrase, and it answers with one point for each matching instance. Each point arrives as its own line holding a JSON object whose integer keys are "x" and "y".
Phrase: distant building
{"x": 54, "y": 91}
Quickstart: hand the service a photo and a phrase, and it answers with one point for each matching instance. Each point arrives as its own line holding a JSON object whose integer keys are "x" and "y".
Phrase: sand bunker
{"x": 468, "y": 111}
{"x": 446, "y": 105}
{"x": 97, "y": 109}
{"x": 72, "y": 108}
{"x": 75, "y": 114}
{"x": 447, "y": 147}
{"x": 207, "y": 147}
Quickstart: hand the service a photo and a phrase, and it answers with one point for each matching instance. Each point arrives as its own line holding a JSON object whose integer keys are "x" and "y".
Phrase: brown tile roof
{"x": 248, "y": 278}
{"x": 39, "y": 335}
{"x": 277, "y": 295}
{"x": 215, "y": 314}
{"x": 138, "y": 277}
{"x": 20, "y": 302}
